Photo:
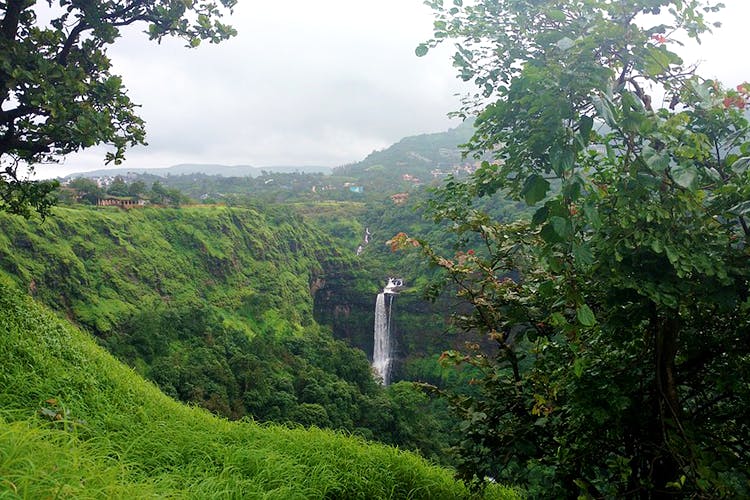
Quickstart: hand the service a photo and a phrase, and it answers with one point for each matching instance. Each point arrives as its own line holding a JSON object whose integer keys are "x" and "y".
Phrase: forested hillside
{"x": 76, "y": 423}
{"x": 408, "y": 165}
{"x": 215, "y": 305}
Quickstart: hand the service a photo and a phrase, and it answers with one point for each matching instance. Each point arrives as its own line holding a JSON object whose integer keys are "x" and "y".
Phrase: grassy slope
{"x": 120, "y": 437}
{"x": 102, "y": 265}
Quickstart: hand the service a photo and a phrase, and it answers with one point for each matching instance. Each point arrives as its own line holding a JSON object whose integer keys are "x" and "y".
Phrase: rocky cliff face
{"x": 418, "y": 327}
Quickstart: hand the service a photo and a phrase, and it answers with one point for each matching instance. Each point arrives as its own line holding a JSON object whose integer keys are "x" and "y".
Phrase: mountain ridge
{"x": 201, "y": 168}
{"x": 420, "y": 152}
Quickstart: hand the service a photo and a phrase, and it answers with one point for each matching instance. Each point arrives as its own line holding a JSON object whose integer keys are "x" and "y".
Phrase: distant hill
{"x": 207, "y": 169}
{"x": 413, "y": 161}
{"x": 416, "y": 154}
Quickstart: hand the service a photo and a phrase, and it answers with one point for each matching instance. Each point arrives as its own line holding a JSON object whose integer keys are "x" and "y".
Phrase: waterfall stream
{"x": 365, "y": 241}
{"x": 382, "y": 356}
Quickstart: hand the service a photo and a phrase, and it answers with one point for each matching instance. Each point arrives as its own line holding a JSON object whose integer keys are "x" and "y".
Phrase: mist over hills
{"x": 413, "y": 154}
{"x": 207, "y": 169}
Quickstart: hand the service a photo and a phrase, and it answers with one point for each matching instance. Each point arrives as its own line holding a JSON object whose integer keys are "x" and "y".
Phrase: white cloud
{"x": 313, "y": 83}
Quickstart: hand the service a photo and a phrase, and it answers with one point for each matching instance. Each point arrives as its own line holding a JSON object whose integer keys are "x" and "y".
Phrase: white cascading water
{"x": 382, "y": 356}
{"x": 365, "y": 241}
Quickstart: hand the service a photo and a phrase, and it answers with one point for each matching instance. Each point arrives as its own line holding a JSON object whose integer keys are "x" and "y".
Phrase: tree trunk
{"x": 665, "y": 461}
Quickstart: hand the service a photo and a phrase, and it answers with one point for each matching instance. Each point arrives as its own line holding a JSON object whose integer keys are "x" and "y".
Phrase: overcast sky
{"x": 314, "y": 83}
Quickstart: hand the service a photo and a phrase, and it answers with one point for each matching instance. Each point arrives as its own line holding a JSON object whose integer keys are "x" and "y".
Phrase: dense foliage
{"x": 619, "y": 313}
{"x": 76, "y": 423}
{"x": 215, "y": 305}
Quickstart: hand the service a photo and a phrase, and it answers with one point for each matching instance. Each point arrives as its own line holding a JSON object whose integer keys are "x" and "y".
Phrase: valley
{"x": 550, "y": 300}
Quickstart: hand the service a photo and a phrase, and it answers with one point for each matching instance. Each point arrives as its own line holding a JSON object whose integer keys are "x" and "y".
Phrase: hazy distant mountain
{"x": 416, "y": 154}
{"x": 208, "y": 169}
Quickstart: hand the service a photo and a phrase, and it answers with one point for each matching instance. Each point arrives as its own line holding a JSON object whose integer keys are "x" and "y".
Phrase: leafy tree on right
{"x": 619, "y": 315}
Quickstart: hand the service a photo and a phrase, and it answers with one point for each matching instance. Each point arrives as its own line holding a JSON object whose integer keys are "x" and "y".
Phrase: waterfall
{"x": 365, "y": 241}
{"x": 382, "y": 356}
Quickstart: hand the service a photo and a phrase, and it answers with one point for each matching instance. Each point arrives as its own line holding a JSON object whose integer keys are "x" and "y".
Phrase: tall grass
{"x": 75, "y": 423}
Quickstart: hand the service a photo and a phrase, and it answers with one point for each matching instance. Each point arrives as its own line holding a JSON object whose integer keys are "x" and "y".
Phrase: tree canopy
{"x": 57, "y": 94}
{"x": 619, "y": 312}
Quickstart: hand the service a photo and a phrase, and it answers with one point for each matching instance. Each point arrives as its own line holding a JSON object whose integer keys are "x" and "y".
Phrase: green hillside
{"x": 75, "y": 423}
{"x": 101, "y": 265}
{"x": 215, "y": 305}
{"x": 426, "y": 157}
{"x": 414, "y": 161}
{"x": 424, "y": 151}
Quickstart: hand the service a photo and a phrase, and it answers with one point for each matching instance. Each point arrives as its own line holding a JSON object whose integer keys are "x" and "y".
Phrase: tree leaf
{"x": 578, "y": 366}
{"x": 534, "y": 189}
{"x": 592, "y": 215}
{"x": 741, "y": 209}
{"x": 658, "y": 161}
{"x": 585, "y": 125}
{"x": 741, "y": 165}
{"x": 562, "y": 160}
{"x": 582, "y": 254}
{"x": 685, "y": 176}
{"x": 562, "y": 227}
{"x": 604, "y": 109}
{"x": 585, "y": 315}
{"x": 549, "y": 234}
{"x": 540, "y": 216}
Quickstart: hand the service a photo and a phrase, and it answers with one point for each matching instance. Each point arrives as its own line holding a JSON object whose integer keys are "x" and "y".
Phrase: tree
{"x": 118, "y": 187}
{"x": 619, "y": 312}
{"x": 164, "y": 196}
{"x": 87, "y": 189}
{"x": 136, "y": 189}
{"x": 57, "y": 94}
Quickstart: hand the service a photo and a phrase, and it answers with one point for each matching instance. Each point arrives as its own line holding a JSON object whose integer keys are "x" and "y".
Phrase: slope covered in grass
{"x": 215, "y": 306}
{"x": 101, "y": 265}
{"x": 77, "y": 423}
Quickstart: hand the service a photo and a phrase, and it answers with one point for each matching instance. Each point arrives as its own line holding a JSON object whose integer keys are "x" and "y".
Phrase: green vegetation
{"x": 57, "y": 94}
{"x": 215, "y": 305}
{"x": 77, "y": 423}
{"x": 102, "y": 265}
{"x": 407, "y": 166}
{"x": 597, "y": 244}
{"x": 413, "y": 161}
{"x": 619, "y": 313}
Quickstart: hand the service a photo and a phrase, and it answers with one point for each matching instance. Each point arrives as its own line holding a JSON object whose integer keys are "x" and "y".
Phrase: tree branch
{"x": 11, "y": 115}
{"x": 10, "y": 143}
{"x": 13, "y": 9}
{"x": 62, "y": 57}
{"x": 642, "y": 95}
